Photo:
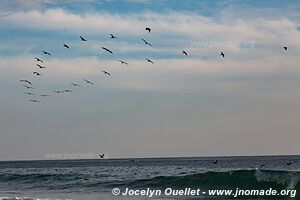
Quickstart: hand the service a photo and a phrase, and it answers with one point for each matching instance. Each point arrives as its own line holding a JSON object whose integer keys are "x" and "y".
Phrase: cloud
{"x": 171, "y": 32}
{"x": 170, "y": 23}
{"x": 175, "y": 74}
{"x": 252, "y": 92}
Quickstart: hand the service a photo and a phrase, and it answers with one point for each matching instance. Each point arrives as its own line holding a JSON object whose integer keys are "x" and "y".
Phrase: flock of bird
{"x": 28, "y": 84}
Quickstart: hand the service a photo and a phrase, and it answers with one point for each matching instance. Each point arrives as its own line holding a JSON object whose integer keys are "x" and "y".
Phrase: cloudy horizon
{"x": 247, "y": 103}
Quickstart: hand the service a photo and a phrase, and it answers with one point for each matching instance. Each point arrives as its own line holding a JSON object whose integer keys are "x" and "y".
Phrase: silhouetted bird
{"x": 34, "y": 101}
{"x": 146, "y": 42}
{"x": 288, "y": 163}
{"x": 150, "y": 61}
{"x": 37, "y": 73}
{"x": 41, "y": 67}
{"x": 58, "y": 91}
{"x": 215, "y": 162}
{"x": 285, "y": 48}
{"x": 66, "y": 46}
{"x": 184, "y": 52}
{"x": 112, "y": 36}
{"x": 38, "y": 60}
{"x": 123, "y": 62}
{"x": 28, "y": 87}
{"x": 47, "y": 53}
{"x": 262, "y": 165}
{"x": 89, "y": 82}
{"x": 74, "y": 84}
{"x": 222, "y": 54}
{"x": 29, "y": 93}
{"x": 26, "y": 81}
{"x": 148, "y": 29}
{"x": 106, "y": 49}
{"x": 105, "y": 72}
{"x": 66, "y": 91}
{"x": 82, "y": 38}
{"x": 101, "y": 155}
{"x": 45, "y": 95}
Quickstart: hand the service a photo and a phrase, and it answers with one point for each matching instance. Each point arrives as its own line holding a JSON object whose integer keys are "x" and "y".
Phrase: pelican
{"x": 150, "y": 61}
{"x": 34, "y": 101}
{"x": 82, "y": 38}
{"x": 37, "y": 73}
{"x": 101, "y": 155}
{"x": 29, "y": 93}
{"x": 105, "y": 72}
{"x": 106, "y": 49}
{"x": 28, "y": 87}
{"x": 123, "y": 62}
{"x": 58, "y": 91}
{"x": 41, "y": 67}
{"x": 89, "y": 82}
{"x": 66, "y": 46}
{"x": 146, "y": 42}
{"x": 47, "y": 53}
{"x": 148, "y": 29}
{"x": 26, "y": 81}
{"x": 74, "y": 84}
{"x": 38, "y": 60}
{"x": 112, "y": 36}
{"x": 262, "y": 165}
{"x": 45, "y": 95}
{"x": 222, "y": 54}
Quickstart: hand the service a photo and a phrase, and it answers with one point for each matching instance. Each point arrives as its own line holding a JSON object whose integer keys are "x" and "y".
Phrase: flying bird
{"x": 45, "y": 95}
{"x": 66, "y": 46}
{"x": 262, "y": 165}
{"x": 58, "y": 91}
{"x": 184, "y": 52}
{"x": 148, "y": 29}
{"x": 41, "y": 67}
{"x": 112, "y": 36}
{"x": 28, "y": 87}
{"x": 222, "y": 54}
{"x": 150, "y": 61}
{"x": 37, "y": 73}
{"x": 82, "y": 38}
{"x": 101, "y": 155}
{"x": 215, "y": 162}
{"x": 47, "y": 53}
{"x": 106, "y": 49}
{"x": 285, "y": 48}
{"x": 38, "y": 60}
{"x": 34, "y": 101}
{"x": 289, "y": 163}
{"x": 105, "y": 72}
{"x": 29, "y": 93}
{"x": 89, "y": 82}
{"x": 74, "y": 84}
{"x": 146, "y": 42}
{"x": 66, "y": 91}
{"x": 26, "y": 81}
{"x": 123, "y": 62}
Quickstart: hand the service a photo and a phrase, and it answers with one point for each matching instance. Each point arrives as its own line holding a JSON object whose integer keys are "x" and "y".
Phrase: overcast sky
{"x": 247, "y": 103}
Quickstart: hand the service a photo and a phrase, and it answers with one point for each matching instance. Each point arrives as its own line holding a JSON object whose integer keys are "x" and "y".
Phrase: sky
{"x": 202, "y": 104}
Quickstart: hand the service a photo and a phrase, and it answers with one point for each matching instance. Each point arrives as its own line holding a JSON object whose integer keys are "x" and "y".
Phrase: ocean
{"x": 165, "y": 178}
